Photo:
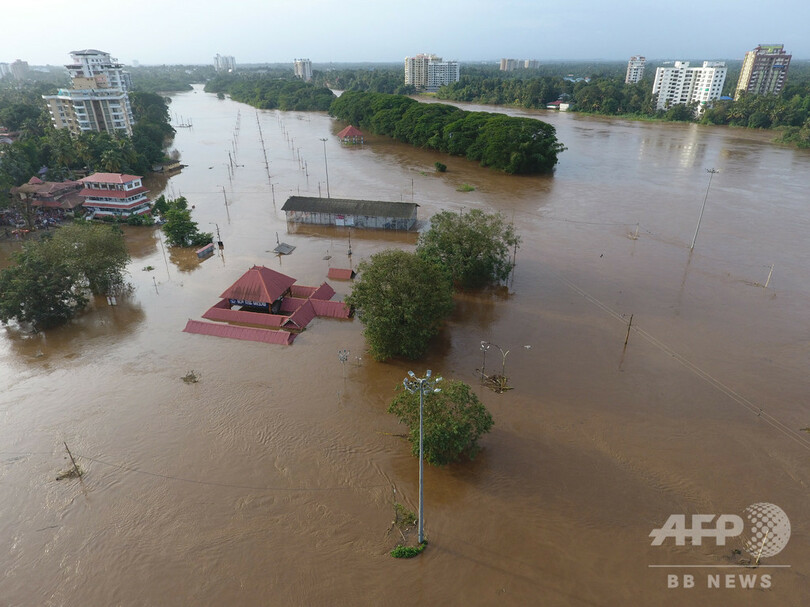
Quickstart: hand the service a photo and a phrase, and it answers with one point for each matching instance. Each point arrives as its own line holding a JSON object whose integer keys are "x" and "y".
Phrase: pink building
{"x": 114, "y": 194}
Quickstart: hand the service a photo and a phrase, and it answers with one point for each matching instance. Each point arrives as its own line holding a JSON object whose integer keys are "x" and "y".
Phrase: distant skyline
{"x": 43, "y": 32}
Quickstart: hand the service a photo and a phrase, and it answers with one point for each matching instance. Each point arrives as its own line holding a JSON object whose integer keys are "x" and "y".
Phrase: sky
{"x": 43, "y": 32}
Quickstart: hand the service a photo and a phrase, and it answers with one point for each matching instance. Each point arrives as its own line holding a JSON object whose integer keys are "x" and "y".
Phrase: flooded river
{"x": 271, "y": 480}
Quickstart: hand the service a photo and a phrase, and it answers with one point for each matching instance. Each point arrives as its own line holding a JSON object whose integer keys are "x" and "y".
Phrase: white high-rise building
{"x": 5, "y": 70}
{"x": 681, "y": 84}
{"x": 429, "y": 72}
{"x": 635, "y": 69}
{"x": 303, "y": 69}
{"x": 224, "y": 63}
{"x": 98, "y": 99}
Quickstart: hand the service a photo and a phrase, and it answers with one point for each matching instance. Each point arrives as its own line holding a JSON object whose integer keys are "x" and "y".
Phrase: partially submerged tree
{"x": 51, "y": 278}
{"x": 453, "y": 421}
{"x": 474, "y": 247}
{"x": 179, "y": 228}
{"x": 401, "y": 299}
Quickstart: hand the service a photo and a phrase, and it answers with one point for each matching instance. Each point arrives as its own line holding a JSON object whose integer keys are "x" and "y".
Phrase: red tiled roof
{"x": 302, "y": 316}
{"x": 112, "y": 193}
{"x": 324, "y": 292}
{"x": 259, "y": 284}
{"x": 350, "y": 131}
{"x": 247, "y": 333}
{"x": 340, "y": 273}
{"x": 331, "y": 309}
{"x": 221, "y": 312}
{"x": 35, "y": 180}
{"x": 109, "y": 178}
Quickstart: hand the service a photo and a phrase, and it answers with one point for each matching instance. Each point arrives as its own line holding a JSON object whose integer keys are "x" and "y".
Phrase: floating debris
{"x": 191, "y": 377}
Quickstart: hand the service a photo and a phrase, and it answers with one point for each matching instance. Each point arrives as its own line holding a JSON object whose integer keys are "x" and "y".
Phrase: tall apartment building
{"x": 303, "y": 69}
{"x": 19, "y": 69}
{"x": 97, "y": 99}
{"x": 764, "y": 71}
{"x": 681, "y": 84}
{"x": 5, "y": 70}
{"x": 635, "y": 69}
{"x": 508, "y": 65}
{"x": 531, "y": 64}
{"x": 224, "y": 63}
{"x": 429, "y": 72}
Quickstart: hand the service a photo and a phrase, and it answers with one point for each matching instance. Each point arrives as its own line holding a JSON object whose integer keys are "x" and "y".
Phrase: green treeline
{"x": 268, "y": 93}
{"x": 379, "y": 80}
{"x": 168, "y": 78}
{"x": 62, "y": 153}
{"x": 607, "y": 94}
{"x": 513, "y": 145}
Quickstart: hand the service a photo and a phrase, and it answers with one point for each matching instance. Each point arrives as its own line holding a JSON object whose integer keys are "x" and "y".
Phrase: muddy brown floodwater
{"x": 271, "y": 480}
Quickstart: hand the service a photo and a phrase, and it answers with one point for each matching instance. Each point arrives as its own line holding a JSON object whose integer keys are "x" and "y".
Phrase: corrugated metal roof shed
{"x": 345, "y": 206}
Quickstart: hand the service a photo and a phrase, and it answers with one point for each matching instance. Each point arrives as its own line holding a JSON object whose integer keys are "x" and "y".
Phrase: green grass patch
{"x": 408, "y": 552}
{"x": 465, "y": 187}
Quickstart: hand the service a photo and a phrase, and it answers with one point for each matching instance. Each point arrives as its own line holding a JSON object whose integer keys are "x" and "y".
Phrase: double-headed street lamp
{"x": 423, "y": 385}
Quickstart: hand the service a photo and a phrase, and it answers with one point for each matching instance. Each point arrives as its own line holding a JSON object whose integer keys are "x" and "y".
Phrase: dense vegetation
{"x": 266, "y": 92}
{"x": 51, "y": 278}
{"x": 605, "y": 92}
{"x": 452, "y": 421}
{"x": 513, "y": 145}
{"x": 179, "y": 228}
{"x": 40, "y": 145}
{"x": 401, "y": 299}
{"x": 473, "y": 247}
{"x": 168, "y": 78}
{"x": 379, "y": 80}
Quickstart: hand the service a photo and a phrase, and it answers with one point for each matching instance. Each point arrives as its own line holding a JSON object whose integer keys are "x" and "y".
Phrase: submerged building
{"x": 114, "y": 194}
{"x": 352, "y": 213}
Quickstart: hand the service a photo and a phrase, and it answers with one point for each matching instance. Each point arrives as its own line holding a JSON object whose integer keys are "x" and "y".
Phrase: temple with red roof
{"x": 273, "y": 306}
{"x": 350, "y": 135}
{"x": 114, "y": 194}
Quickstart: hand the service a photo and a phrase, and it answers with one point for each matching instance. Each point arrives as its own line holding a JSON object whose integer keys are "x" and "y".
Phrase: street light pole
{"x": 711, "y": 173}
{"x": 423, "y": 385}
{"x": 484, "y": 347}
{"x": 326, "y": 165}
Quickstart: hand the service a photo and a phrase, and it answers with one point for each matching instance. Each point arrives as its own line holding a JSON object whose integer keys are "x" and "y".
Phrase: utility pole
{"x": 711, "y": 173}
{"x": 326, "y": 165}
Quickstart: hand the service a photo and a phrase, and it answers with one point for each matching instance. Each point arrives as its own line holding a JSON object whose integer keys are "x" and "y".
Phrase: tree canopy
{"x": 474, "y": 247}
{"x": 51, "y": 278}
{"x": 452, "y": 421}
{"x": 266, "y": 92}
{"x": 401, "y": 299}
{"x": 180, "y": 229}
{"x": 513, "y": 145}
